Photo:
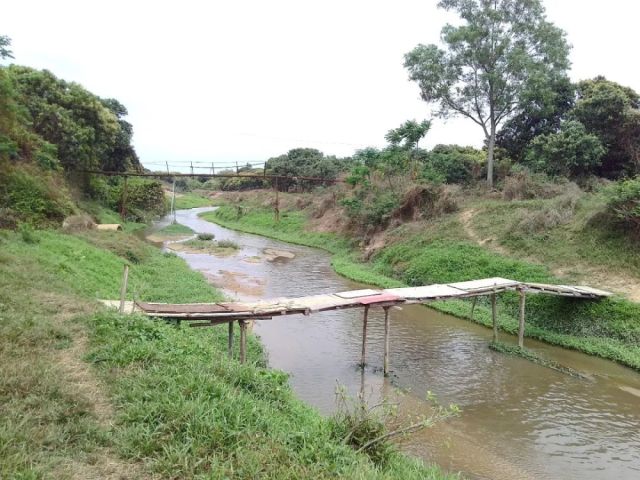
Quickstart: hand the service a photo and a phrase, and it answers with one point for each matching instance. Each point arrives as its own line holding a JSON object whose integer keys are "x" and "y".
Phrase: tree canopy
{"x": 612, "y": 112}
{"x": 502, "y": 50}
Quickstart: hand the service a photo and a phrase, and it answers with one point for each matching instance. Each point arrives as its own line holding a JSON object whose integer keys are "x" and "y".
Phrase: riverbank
{"x": 437, "y": 254}
{"x": 87, "y": 393}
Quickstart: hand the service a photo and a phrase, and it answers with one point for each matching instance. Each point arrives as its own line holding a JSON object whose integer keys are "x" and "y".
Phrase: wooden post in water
{"x": 123, "y": 287}
{"x": 473, "y": 306}
{"x": 230, "y": 347}
{"x": 243, "y": 340}
{"x": 386, "y": 341}
{"x": 523, "y": 299}
{"x": 494, "y": 317}
{"x": 363, "y": 356}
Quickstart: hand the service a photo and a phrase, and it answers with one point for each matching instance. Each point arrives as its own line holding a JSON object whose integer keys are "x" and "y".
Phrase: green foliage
{"x": 371, "y": 207}
{"x": 34, "y": 197}
{"x": 624, "y": 202}
{"x": 144, "y": 199}
{"x": 542, "y": 112}
{"x": 191, "y": 200}
{"x": 5, "y": 44}
{"x": 612, "y": 112}
{"x": 224, "y": 243}
{"x": 452, "y": 164}
{"x": 244, "y": 183}
{"x": 206, "y": 236}
{"x": 175, "y": 229}
{"x": 570, "y": 152}
{"x": 304, "y": 162}
{"x": 489, "y": 62}
{"x": 408, "y": 135}
{"x": 27, "y": 233}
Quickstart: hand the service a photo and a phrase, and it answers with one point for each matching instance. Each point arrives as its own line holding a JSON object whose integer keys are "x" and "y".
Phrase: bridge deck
{"x": 228, "y": 311}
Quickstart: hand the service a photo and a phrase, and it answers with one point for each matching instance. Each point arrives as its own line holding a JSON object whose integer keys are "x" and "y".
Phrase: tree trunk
{"x": 491, "y": 148}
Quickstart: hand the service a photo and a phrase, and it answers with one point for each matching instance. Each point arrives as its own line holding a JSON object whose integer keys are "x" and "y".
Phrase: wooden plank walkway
{"x": 209, "y": 314}
{"x": 224, "y": 311}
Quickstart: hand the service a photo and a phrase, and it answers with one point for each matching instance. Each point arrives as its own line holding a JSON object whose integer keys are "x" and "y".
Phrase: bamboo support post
{"x": 243, "y": 340}
{"x": 386, "y": 341}
{"x": 230, "y": 346}
{"x": 363, "y": 356}
{"x": 123, "y": 287}
{"x": 494, "y": 316}
{"x": 523, "y": 300}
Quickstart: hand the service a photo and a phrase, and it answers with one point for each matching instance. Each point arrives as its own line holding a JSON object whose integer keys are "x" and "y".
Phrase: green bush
{"x": 572, "y": 151}
{"x": 624, "y": 203}
{"x": 452, "y": 164}
{"x": 33, "y": 197}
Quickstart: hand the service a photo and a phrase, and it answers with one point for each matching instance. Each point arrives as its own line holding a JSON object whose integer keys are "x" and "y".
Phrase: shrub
{"x": 624, "y": 203}
{"x": 33, "y": 197}
{"x": 228, "y": 244}
{"x": 522, "y": 184}
{"x": 27, "y": 233}
{"x": 451, "y": 164}
{"x": 206, "y": 236}
{"x": 569, "y": 152}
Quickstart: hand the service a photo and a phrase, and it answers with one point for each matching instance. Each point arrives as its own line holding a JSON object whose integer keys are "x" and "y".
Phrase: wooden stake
{"x": 173, "y": 201}
{"x": 473, "y": 306}
{"x": 363, "y": 356}
{"x": 243, "y": 340}
{"x": 237, "y": 169}
{"x": 123, "y": 287}
{"x": 494, "y": 317}
{"x": 191, "y": 168}
{"x": 523, "y": 299}
{"x": 230, "y": 347}
{"x": 277, "y": 205}
{"x": 386, "y": 341}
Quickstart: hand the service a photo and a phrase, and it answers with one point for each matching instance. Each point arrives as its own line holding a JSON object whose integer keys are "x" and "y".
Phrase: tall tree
{"x": 612, "y": 112}
{"x": 502, "y": 49}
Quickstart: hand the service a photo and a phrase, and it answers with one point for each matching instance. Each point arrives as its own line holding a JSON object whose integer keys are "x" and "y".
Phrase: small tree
{"x": 503, "y": 49}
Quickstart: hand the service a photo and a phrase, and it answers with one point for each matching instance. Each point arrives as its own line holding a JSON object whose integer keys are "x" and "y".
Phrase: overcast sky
{"x": 247, "y": 80}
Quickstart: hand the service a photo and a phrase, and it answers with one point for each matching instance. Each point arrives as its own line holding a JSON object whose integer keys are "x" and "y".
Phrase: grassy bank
{"x": 439, "y": 252}
{"x": 87, "y": 393}
{"x": 191, "y": 200}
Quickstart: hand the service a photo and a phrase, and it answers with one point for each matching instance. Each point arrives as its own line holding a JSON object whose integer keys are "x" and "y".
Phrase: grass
{"x": 154, "y": 399}
{"x": 439, "y": 252}
{"x": 584, "y": 237}
{"x": 191, "y": 200}
{"x": 175, "y": 229}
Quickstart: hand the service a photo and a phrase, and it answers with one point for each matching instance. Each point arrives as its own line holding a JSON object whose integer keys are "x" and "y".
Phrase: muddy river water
{"x": 518, "y": 420}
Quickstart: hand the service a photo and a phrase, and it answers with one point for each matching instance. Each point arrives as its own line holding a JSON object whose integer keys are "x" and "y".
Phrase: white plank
{"x": 485, "y": 283}
{"x": 426, "y": 292}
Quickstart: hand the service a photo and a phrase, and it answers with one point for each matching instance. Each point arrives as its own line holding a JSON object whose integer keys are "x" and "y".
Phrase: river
{"x": 519, "y": 420}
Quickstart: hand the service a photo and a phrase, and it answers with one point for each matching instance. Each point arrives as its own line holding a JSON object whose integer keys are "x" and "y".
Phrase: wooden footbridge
{"x": 210, "y": 314}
